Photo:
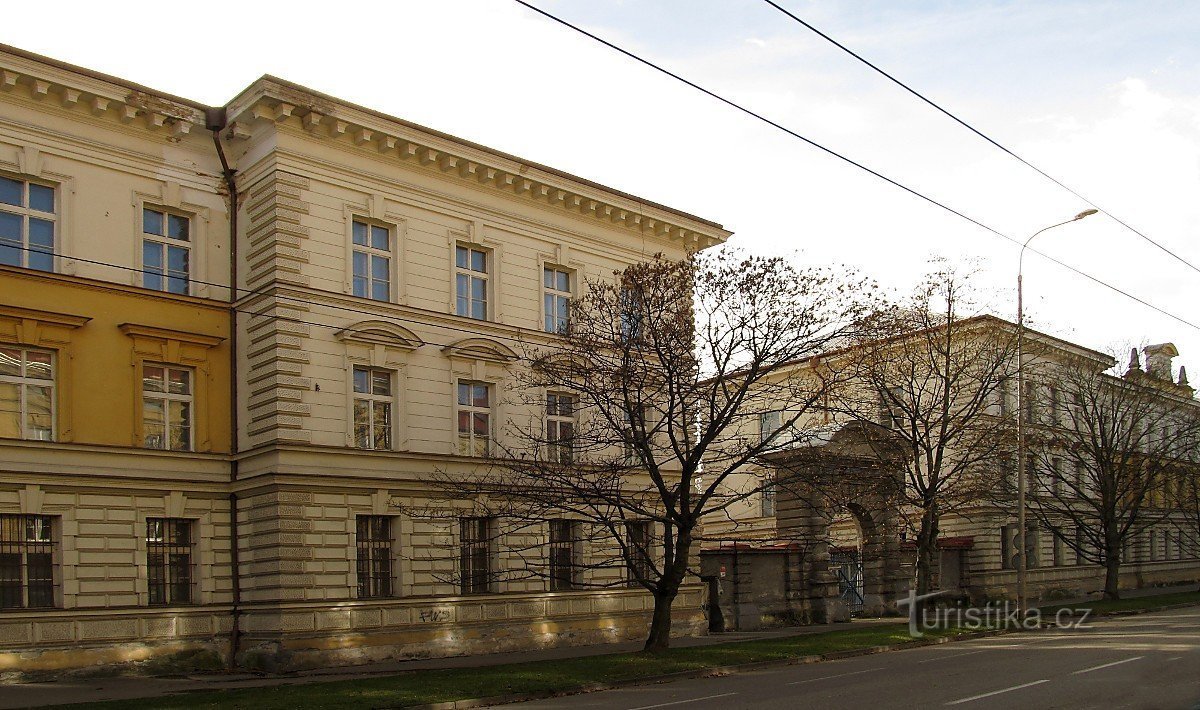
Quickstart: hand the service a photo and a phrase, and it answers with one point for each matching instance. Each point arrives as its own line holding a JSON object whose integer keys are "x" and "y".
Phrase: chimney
{"x": 1158, "y": 360}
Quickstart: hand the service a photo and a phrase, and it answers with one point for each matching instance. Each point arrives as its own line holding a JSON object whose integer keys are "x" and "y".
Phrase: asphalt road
{"x": 1144, "y": 661}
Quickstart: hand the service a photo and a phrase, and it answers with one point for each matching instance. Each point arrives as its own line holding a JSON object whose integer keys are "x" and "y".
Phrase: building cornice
{"x": 281, "y": 104}
{"x": 73, "y": 88}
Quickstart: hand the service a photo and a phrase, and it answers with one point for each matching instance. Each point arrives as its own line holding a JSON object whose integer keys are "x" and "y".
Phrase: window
{"x": 374, "y": 542}
{"x": 26, "y": 394}
{"x": 1079, "y": 546}
{"x": 166, "y": 408}
{"x": 1056, "y": 477}
{"x": 630, "y": 303}
{"x": 1031, "y": 475}
{"x": 1029, "y": 405}
{"x": 27, "y": 223}
{"x": 372, "y": 408}
{"x": 169, "y": 560}
{"x": 474, "y": 418}
{"x": 637, "y": 541}
{"x": 557, "y": 299}
{"x": 166, "y": 251}
{"x": 372, "y": 257}
{"x": 1059, "y": 552}
{"x": 1008, "y": 545}
{"x": 768, "y": 424}
{"x": 1002, "y": 395}
{"x": 26, "y": 562}
{"x": 563, "y": 540}
{"x": 560, "y": 427}
{"x": 768, "y": 497}
{"x": 1055, "y": 418}
{"x": 890, "y": 408}
{"x": 474, "y": 555}
{"x": 471, "y": 282}
{"x": 1007, "y": 475}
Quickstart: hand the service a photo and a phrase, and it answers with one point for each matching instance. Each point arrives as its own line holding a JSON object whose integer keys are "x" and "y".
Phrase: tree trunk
{"x": 926, "y": 555}
{"x": 660, "y": 623}
{"x": 1112, "y": 575}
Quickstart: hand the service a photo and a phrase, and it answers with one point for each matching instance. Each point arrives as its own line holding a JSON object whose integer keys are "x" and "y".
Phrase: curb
{"x": 699, "y": 673}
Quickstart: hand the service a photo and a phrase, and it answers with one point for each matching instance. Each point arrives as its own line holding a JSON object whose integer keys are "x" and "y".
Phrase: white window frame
{"x": 167, "y": 397}
{"x": 164, "y": 242}
{"x": 372, "y": 399}
{"x": 470, "y": 437}
{"x": 551, "y": 293}
{"x": 473, "y": 275}
{"x": 769, "y": 423}
{"x": 26, "y": 213}
{"x": 767, "y": 499}
{"x": 372, "y": 252}
{"x": 23, "y": 381}
{"x": 556, "y": 450}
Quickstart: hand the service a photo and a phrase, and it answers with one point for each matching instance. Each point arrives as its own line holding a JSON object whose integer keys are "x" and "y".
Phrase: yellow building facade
{"x": 387, "y": 279}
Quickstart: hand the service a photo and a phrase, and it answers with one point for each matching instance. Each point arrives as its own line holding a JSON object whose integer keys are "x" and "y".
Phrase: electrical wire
{"x": 854, "y": 163}
{"x": 982, "y": 135}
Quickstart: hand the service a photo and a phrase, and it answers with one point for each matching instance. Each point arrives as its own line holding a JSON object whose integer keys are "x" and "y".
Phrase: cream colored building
{"x": 977, "y": 542}
{"x": 388, "y": 279}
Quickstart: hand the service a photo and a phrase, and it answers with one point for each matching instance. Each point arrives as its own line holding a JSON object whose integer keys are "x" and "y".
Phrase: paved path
{"x": 1144, "y": 661}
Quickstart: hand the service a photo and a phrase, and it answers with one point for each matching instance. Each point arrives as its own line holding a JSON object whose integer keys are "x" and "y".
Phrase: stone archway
{"x": 839, "y": 475}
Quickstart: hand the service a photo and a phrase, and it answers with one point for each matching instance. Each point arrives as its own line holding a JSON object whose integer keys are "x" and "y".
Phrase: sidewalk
{"x": 80, "y": 690}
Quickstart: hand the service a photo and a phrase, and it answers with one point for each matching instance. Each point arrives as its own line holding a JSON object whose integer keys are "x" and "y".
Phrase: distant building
{"x": 782, "y": 559}
{"x": 385, "y": 274}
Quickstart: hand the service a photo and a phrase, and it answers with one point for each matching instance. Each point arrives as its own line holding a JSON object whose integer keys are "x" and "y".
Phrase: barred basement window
{"x": 374, "y": 543}
{"x": 169, "y": 560}
{"x": 26, "y": 562}
{"x": 475, "y": 555}
{"x": 562, "y": 554}
{"x": 637, "y": 541}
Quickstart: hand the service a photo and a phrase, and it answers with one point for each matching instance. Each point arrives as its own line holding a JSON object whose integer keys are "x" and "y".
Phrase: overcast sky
{"x": 1104, "y": 96}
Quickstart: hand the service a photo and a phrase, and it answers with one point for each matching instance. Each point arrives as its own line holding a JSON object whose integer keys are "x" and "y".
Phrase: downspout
{"x": 216, "y": 120}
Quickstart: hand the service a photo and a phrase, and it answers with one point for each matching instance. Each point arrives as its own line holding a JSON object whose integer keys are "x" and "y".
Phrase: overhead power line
{"x": 851, "y": 161}
{"x": 981, "y": 134}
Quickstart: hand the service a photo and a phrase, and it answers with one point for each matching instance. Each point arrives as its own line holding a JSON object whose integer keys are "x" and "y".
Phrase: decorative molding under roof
{"x": 280, "y": 104}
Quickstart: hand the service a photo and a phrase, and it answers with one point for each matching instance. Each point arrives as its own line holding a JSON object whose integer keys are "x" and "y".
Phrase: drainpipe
{"x": 215, "y": 121}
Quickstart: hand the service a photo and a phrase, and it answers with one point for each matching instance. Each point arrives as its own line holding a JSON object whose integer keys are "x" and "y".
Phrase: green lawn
{"x": 421, "y": 687}
{"x": 1132, "y": 604}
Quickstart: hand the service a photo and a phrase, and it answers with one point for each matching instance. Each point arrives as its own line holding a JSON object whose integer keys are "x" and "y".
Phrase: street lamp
{"x": 1022, "y": 561}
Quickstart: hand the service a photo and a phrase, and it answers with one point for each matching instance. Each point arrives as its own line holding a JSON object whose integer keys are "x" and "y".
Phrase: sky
{"x": 1104, "y": 96}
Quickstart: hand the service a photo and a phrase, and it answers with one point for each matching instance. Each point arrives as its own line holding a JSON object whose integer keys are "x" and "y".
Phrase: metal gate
{"x": 849, "y": 569}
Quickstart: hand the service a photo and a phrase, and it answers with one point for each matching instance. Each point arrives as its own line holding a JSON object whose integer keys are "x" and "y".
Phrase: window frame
{"x": 475, "y": 559}
{"x": 20, "y": 547}
{"x": 559, "y": 448}
{"x": 372, "y": 399}
{"x": 764, "y": 422}
{"x": 375, "y": 572}
{"x": 164, "y": 242}
{"x": 23, "y": 381}
{"x": 473, "y": 410}
{"x": 26, "y": 213}
{"x": 472, "y": 275}
{"x": 167, "y": 397}
{"x": 551, "y": 297}
{"x": 167, "y": 548}
{"x": 372, "y": 253}
{"x": 560, "y": 546}
{"x": 639, "y": 550}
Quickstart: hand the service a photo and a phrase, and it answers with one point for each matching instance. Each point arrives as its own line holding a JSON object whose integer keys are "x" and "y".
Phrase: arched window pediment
{"x": 377, "y": 332}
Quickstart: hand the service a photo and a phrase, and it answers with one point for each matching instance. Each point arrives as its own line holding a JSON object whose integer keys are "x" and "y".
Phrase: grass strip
{"x": 1103, "y": 606}
{"x": 436, "y": 686}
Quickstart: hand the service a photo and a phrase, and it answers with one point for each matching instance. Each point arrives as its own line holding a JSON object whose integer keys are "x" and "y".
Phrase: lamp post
{"x": 1022, "y": 560}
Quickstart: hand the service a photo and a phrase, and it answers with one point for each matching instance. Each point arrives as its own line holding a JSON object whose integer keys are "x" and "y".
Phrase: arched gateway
{"x": 836, "y": 489}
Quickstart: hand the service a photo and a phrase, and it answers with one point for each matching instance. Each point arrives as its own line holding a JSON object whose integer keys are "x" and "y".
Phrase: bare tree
{"x": 931, "y": 370}
{"x": 1106, "y": 454}
{"x": 643, "y": 410}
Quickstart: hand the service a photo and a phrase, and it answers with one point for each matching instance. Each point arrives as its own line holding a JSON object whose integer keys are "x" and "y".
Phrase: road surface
{"x": 1144, "y": 661}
